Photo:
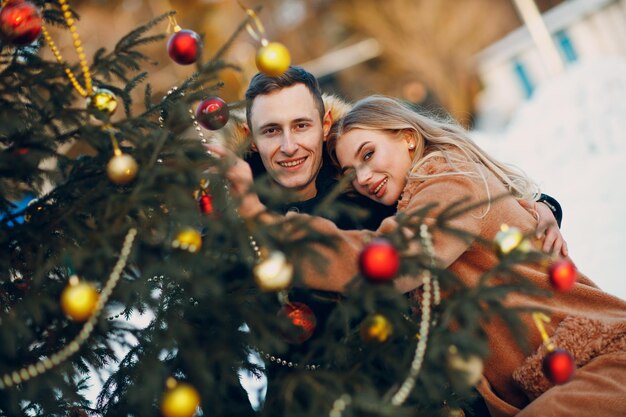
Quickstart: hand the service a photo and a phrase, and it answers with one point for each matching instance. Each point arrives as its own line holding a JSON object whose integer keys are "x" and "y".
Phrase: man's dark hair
{"x": 262, "y": 84}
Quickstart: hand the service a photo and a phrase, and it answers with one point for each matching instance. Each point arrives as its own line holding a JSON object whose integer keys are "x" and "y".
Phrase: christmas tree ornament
{"x": 82, "y": 58}
{"x": 456, "y": 412}
{"x": 273, "y": 59}
{"x": 184, "y": 46}
{"x": 303, "y": 320}
{"x": 562, "y": 274}
{"x": 376, "y": 328}
{"x": 471, "y": 366}
{"x": 188, "y": 239}
{"x": 122, "y": 168}
{"x": 212, "y": 113}
{"x": 79, "y": 299}
{"x": 21, "y": 284}
{"x": 20, "y": 23}
{"x": 559, "y": 366}
{"x": 379, "y": 261}
{"x": 180, "y": 399}
{"x": 509, "y": 239}
{"x": 103, "y": 100}
{"x": 273, "y": 273}
{"x": 205, "y": 203}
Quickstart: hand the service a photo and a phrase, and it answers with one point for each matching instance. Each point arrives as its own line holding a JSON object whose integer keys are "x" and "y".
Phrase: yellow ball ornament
{"x": 79, "y": 300}
{"x": 471, "y": 366}
{"x": 509, "y": 239}
{"x": 273, "y": 59}
{"x": 189, "y": 239}
{"x": 122, "y": 169}
{"x": 103, "y": 100}
{"x": 376, "y": 328}
{"x": 274, "y": 273}
{"x": 180, "y": 400}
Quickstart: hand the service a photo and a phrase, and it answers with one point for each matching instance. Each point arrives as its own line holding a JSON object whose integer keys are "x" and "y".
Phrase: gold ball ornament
{"x": 103, "y": 100}
{"x": 274, "y": 273}
{"x": 122, "y": 169}
{"x": 376, "y": 328}
{"x": 180, "y": 400}
{"x": 189, "y": 239}
{"x": 471, "y": 366}
{"x": 79, "y": 300}
{"x": 509, "y": 239}
{"x": 273, "y": 59}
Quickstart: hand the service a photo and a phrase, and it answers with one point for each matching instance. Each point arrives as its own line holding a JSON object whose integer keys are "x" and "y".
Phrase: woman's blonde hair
{"x": 433, "y": 138}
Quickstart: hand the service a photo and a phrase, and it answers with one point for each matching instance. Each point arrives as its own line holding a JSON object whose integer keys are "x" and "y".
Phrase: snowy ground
{"x": 571, "y": 138}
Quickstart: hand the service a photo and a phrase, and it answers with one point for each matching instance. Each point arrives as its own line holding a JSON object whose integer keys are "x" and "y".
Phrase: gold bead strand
{"x": 31, "y": 371}
{"x": 82, "y": 58}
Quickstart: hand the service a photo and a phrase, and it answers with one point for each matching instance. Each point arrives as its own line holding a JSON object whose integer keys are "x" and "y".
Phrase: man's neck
{"x": 305, "y": 194}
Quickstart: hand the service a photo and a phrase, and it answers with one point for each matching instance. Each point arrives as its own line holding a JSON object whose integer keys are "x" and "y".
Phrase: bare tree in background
{"x": 435, "y": 40}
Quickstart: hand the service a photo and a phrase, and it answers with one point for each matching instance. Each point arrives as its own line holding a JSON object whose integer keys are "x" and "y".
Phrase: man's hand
{"x": 239, "y": 176}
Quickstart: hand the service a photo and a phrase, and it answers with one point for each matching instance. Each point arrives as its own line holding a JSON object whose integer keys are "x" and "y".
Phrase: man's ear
{"x": 246, "y": 129}
{"x": 327, "y": 122}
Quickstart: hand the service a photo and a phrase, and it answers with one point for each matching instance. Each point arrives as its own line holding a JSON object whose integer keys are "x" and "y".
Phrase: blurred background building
{"x": 511, "y": 68}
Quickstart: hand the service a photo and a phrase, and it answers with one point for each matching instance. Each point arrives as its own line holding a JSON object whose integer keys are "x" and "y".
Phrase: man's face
{"x": 289, "y": 136}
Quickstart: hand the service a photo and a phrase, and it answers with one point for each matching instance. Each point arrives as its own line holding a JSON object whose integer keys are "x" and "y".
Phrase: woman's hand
{"x": 239, "y": 176}
{"x": 548, "y": 228}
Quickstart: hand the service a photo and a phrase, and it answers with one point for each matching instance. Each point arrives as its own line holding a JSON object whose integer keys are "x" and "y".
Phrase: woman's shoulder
{"x": 448, "y": 160}
{"x": 451, "y": 174}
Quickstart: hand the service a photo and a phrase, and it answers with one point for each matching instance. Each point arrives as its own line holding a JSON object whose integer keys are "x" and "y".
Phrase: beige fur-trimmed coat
{"x": 588, "y": 322}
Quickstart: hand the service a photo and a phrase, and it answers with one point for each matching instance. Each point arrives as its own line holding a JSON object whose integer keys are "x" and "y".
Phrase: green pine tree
{"x": 200, "y": 301}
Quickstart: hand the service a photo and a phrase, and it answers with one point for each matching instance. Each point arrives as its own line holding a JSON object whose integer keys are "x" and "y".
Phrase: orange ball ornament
{"x": 79, "y": 300}
{"x": 273, "y": 59}
{"x": 562, "y": 275}
{"x": 180, "y": 400}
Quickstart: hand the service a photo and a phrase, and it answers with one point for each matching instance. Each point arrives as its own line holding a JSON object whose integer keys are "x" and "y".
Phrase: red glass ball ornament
{"x": 20, "y": 22}
{"x": 379, "y": 261}
{"x": 559, "y": 366}
{"x": 212, "y": 113}
{"x": 21, "y": 284}
{"x": 184, "y": 47}
{"x": 303, "y": 320}
{"x": 562, "y": 275}
{"x": 205, "y": 202}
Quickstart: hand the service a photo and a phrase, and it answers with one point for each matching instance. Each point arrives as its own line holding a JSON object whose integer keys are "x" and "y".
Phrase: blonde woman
{"x": 399, "y": 156}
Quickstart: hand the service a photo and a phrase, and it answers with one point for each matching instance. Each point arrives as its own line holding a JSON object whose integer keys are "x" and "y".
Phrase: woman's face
{"x": 381, "y": 161}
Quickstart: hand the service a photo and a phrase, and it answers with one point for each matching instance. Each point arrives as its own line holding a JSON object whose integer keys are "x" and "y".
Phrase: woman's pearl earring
{"x": 411, "y": 146}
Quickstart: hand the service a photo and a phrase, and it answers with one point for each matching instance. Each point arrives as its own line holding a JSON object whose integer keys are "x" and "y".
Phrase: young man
{"x": 288, "y": 124}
